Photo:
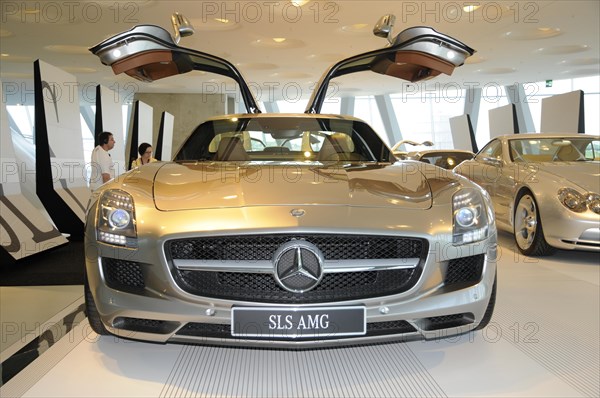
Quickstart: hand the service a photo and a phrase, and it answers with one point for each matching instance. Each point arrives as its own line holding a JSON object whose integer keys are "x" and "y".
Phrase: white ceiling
{"x": 516, "y": 41}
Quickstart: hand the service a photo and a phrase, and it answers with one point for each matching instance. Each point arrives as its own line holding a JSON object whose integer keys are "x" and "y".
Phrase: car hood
{"x": 225, "y": 184}
{"x": 585, "y": 174}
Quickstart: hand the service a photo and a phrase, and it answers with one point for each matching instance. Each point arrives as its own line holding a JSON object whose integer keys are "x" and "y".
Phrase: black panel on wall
{"x": 64, "y": 218}
{"x": 472, "y": 135}
{"x": 581, "y": 121}
{"x": 133, "y": 151}
{"x": 98, "y": 127}
{"x": 515, "y": 119}
{"x": 159, "y": 141}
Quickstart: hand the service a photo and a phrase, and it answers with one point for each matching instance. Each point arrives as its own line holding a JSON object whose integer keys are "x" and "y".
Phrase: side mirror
{"x": 383, "y": 27}
{"x": 181, "y": 26}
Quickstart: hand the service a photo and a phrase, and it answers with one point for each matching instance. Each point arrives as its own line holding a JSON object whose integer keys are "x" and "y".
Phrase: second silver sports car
{"x": 545, "y": 189}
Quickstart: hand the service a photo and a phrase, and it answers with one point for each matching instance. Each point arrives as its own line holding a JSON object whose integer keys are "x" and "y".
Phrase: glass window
{"x": 426, "y": 117}
{"x": 567, "y": 149}
{"x": 23, "y": 117}
{"x": 365, "y": 108}
{"x": 492, "y": 97}
{"x": 492, "y": 150}
{"x": 590, "y": 86}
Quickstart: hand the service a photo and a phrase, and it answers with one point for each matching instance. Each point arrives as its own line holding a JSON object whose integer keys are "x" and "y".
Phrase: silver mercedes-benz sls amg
{"x": 288, "y": 230}
{"x": 545, "y": 189}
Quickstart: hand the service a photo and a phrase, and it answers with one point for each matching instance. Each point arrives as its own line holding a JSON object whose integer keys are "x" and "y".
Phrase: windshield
{"x": 284, "y": 139}
{"x": 446, "y": 160}
{"x": 567, "y": 149}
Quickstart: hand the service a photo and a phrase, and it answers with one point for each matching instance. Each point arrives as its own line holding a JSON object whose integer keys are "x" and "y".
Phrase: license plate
{"x": 293, "y": 323}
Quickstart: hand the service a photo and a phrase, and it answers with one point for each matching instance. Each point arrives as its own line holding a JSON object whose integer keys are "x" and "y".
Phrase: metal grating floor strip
{"x": 390, "y": 370}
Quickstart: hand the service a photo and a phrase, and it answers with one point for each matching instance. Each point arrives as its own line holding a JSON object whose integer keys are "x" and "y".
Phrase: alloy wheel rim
{"x": 525, "y": 222}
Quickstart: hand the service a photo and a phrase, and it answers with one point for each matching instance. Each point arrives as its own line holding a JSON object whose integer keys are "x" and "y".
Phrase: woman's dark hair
{"x": 143, "y": 147}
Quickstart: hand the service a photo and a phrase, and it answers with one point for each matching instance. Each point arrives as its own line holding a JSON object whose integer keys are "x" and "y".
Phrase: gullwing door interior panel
{"x": 149, "y": 53}
{"x": 415, "y": 54}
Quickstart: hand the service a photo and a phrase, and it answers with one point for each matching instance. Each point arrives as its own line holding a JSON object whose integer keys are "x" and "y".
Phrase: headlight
{"x": 116, "y": 218}
{"x": 577, "y": 202}
{"x": 471, "y": 219}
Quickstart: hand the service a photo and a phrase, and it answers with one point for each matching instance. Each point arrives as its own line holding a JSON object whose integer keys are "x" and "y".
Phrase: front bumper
{"x": 565, "y": 229}
{"x": 429, "y": 310}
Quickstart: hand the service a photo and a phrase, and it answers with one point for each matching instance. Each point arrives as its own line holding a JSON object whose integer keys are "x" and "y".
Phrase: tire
{"x": 92, "y": 312}
{"x": 489, "y": 311}
{"x": 527, "y": 227}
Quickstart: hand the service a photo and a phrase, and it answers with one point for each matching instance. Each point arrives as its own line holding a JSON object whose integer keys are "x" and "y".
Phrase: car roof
{"x": 545, "y": 135}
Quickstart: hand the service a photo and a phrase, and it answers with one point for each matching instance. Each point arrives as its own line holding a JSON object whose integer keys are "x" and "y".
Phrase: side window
{"x": 592, "y": 151}
{"x": 492, "y": 150}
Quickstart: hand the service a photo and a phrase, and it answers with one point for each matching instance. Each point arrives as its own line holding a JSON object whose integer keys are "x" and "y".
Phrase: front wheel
{"x": 528, "y": 231}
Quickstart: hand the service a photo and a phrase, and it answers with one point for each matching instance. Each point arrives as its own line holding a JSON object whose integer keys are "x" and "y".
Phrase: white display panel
{"x": 65, "y": 144}
{"x": 24, "y": 230}
{"x": 503, "y": 120}
{"x": 112, "y": 121}
{"x": 563, "y": 113}
{"x": 462, "y": 136}
{"x": 166, "y": 133}
{"x": 140, "y": 130}
{"x": 144, "y": 118}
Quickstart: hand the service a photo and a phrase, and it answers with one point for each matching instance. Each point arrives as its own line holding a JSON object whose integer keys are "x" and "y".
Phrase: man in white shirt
{"x": 103, "y": 168}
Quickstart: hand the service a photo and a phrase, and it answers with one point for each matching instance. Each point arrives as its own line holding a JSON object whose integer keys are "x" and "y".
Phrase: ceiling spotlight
{"x": 279, "y": 39}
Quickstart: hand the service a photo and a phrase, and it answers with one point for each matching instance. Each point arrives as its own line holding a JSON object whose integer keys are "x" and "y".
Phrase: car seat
{"x": 231, "y": 149}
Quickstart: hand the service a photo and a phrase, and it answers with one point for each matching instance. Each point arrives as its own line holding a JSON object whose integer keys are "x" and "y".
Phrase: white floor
{"x": 543, "y": 341}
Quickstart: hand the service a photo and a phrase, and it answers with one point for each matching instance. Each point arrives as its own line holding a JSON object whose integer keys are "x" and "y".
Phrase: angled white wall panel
{"x": 140, "y": 130}
{"x": 503, "y": 120}
{"x": 164, "y": 145}
{"x": 24, "y": 230}
{"x": 109, "y": 117}
{"x": 463, "y": 136}
{"x": 563, "y": 113}
{"x": 61, "y": 170}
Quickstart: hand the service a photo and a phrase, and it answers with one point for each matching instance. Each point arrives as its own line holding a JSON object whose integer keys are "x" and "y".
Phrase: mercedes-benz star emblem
{"x": 298, "y": 266}
{"x": 297, "y": 212}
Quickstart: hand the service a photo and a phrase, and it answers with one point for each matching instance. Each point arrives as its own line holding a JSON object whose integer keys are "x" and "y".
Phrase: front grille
{"x": 220, "y": 331}
{"x": 464, "y": 270}
{"x": 262, "y": 247}
{"x": 262, "y": 288}
{"x": 123, "y": 275}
